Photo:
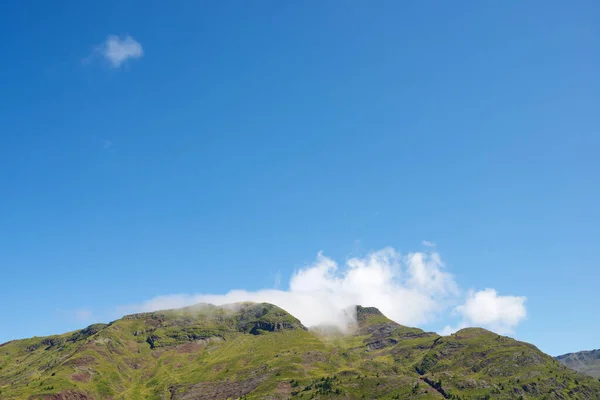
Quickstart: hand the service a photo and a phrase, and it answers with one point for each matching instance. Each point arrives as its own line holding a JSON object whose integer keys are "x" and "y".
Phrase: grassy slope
{"x": 260, "y": 351}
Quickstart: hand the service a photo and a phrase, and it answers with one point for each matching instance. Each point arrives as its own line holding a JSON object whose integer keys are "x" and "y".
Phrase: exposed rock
{"x": 362, "y": 313}
{"x": 380, "y": 344}
{"x": 269, "y": 327}
{"x": 33, "y": 347}
{"x": 52, "y": 342}
{"x": 86, "y": 332}
{"x": 438, "y": 387}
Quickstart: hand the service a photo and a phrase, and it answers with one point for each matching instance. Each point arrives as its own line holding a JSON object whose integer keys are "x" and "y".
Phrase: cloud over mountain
{"x": 411, "y": 289}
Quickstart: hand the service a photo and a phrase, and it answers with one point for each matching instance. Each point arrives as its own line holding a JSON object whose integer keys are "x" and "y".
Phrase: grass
{"x": 253, "y": 351}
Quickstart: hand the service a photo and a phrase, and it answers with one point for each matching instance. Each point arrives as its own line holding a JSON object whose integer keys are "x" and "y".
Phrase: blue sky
{"x": 160, "y": 148}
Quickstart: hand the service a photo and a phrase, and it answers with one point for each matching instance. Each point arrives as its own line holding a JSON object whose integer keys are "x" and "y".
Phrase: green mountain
{"x": 259, "y": 351}
{"x": 587, "y": 362}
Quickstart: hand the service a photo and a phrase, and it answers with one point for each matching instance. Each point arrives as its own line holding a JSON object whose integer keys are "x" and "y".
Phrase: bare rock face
{"x": 270, "y": 327}
{"x": 380, "y": 344}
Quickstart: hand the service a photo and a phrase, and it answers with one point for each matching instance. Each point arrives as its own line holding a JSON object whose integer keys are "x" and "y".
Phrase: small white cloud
{"x": 487, "y": 309}
{"x": 118, "y": 50}
{"x": 427, "y": 243}
{"x": 449, "y": 330}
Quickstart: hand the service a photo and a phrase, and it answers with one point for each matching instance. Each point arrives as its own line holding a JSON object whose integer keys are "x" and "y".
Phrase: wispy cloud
{"x": 411, "y": 289}
{"x": 117, "y": 50}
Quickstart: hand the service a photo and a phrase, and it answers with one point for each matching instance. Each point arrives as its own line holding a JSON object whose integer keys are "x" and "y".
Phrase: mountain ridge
{"x": 586, "y": 361}
{"x": 260, "y": 351}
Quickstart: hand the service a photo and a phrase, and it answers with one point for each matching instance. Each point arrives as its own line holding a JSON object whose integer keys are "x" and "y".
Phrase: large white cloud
{"x": 411, "y": 290}
{"x": 487, "y": 309}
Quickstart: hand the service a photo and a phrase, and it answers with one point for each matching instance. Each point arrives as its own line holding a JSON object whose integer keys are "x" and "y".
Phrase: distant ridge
{"x": 587, "y": 362}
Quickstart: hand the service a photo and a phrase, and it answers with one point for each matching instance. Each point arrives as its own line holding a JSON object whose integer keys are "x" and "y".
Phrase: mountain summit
{"x": 259, "y": 351}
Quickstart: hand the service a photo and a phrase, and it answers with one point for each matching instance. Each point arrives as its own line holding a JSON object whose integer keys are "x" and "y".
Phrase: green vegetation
{"x": 254, "y": 351}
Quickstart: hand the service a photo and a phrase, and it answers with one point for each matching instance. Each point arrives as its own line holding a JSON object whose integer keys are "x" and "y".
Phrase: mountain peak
{"x": 364, "y": 313}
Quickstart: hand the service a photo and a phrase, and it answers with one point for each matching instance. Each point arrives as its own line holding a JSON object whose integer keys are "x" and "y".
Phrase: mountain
{"x": 587, "y": 362}
{"x": 259, "y": 351}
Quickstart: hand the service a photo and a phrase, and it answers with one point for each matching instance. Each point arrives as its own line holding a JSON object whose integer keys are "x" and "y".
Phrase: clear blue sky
{"x": 251, "y": 135}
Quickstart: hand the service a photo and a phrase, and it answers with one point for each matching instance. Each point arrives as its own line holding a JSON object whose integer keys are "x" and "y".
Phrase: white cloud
{"x": 448, "y": 330}
{"x": 427, "y": 243}
{"x": 487, "y": 309}
{"x": 118, "y": 50}
{"x": 412, "y": 290}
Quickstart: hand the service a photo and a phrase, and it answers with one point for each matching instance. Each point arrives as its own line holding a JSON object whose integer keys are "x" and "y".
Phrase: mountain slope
{"x": 587, "y": 362}
{"x": 257, "y": 351}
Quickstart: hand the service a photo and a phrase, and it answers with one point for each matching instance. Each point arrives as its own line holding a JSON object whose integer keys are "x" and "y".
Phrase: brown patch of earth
{"x": 83, "y": 377}
{"x": 313, "y": 356}
{"x": 219, "y": 367}
{"x": 190, "y": 348}
{"x": 158, "y": 353}
{"x": 133, "y": 363}
{"x": 216, "y": 390}
{"x": 82, "y": 361}
{"x": 284, "y": 388}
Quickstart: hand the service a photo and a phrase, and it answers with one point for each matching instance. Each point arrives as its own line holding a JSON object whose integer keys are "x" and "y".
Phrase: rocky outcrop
{"x": 380, "y": 344}
{"x": 259, "y": 327}
{"x": 86, "y": 332}
{"x": 437, "y": 386}
{"x": 363, "y": 313}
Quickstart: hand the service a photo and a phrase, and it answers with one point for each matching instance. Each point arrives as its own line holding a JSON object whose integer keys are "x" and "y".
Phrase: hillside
{"x": 587, "y": 362}
{"x": 259, "y": 351}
